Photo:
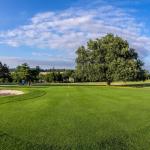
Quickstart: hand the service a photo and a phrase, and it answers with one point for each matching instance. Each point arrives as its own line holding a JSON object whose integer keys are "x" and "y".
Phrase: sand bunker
{"x": 10, "y": 92}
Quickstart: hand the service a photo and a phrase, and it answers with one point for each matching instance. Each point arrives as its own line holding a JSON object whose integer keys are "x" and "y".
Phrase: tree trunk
{"x": 108, "y": 83}
{"x": 29, "y": 83}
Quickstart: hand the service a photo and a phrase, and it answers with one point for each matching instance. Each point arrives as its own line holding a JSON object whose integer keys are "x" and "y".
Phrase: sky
{"x": 48, "y": 32}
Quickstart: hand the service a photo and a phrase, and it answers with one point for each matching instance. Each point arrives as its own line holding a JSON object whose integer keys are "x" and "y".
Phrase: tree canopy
{"x": 5, "y": 75}
{"x": 26, "y": 74}
{"x": 108, "y": 59}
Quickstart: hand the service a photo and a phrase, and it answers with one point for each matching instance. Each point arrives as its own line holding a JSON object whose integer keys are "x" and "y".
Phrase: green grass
{"x": 76, "y": 118}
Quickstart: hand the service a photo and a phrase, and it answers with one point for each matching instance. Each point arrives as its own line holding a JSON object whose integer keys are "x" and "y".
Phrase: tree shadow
{"x": 140, "y": 85}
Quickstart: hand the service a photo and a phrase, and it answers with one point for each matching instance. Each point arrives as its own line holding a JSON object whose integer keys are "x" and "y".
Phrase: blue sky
{"x": 47, "y": 32}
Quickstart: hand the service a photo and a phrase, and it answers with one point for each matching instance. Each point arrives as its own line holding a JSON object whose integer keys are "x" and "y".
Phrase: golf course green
{"x": 75, "y": 118}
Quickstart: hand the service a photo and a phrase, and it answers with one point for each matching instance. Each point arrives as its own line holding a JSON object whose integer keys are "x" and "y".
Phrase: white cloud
{"x": 50, "y": 63}
{"x": 68, "y": 29}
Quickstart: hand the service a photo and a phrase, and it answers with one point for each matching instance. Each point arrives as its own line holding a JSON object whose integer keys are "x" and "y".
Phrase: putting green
{"x": 76, "y": 118}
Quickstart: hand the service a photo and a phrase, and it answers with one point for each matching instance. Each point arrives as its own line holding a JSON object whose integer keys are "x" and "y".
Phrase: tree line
{"x": 105, "y": 59}
{"x": 23, "y": 74}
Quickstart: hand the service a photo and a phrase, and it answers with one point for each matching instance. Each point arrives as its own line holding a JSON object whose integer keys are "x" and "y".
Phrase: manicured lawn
{"x": 76, "y": 118}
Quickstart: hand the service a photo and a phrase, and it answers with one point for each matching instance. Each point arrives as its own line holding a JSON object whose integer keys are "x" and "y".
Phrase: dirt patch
{"x": 10, "y": 92}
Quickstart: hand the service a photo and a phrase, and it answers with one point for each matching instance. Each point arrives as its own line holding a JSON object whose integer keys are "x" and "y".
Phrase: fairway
{"x": 75, "y": 118}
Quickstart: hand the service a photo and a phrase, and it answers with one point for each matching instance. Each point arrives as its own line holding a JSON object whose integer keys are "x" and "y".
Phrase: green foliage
{"x": 22, "y": 72}
{"x": 67, "y": 75}
{"x": 34, "y": 74}
{"x": 108, "y": 59}
{"x": 57, "y": 76}
{"x": 25, "y": 73}
{"x": 50, "y": 77}
{"x": 5, "y": 75}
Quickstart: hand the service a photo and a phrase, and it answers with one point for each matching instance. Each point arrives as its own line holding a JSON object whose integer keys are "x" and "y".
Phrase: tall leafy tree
{"x": 108, "y": 59}
{"x": 21, "y": 73}
{"x": 82, "y": 64}
{"x": 58, "y": 77}
{"x": 34, "y": 74}
{"x": 5, "y": 75}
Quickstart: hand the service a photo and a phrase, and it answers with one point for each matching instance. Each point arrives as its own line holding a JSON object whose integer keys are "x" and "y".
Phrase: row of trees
{"x": 108, "y": 59}
{"x": 23, "y": 74}
{"x": 57, "y": 76}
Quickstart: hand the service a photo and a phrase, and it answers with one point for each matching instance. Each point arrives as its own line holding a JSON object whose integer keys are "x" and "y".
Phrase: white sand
{"x": 10, "y": 92}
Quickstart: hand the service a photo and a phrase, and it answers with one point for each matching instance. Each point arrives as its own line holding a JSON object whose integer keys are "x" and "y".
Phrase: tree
{"x": 147, "y": 74}
{"x": 22, "y": 73}
{"x": 82, "y": 64}
{"x": 67, "y": 74}
{"x": 108, "y": 59}
{"x": 58, "y": 77}
{"x": 26, "y": 74}
{"x": 34, "y": 74}
{"x": 5, "y": 75}
{"x": 50, "y": 77}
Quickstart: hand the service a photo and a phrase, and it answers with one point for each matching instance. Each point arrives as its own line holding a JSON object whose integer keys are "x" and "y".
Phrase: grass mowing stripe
{"x": 78, "y": 118}
{"x": 9, "y": 141}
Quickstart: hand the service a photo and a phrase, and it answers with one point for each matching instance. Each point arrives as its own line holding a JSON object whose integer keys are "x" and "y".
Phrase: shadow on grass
{"x": 141, "y": 85}
{"x": 134, "y": 85}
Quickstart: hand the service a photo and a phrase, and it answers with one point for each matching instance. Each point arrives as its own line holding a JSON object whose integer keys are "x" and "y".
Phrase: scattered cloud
{"x": 56, "y": 63}
{"x": 68, "y": 29}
